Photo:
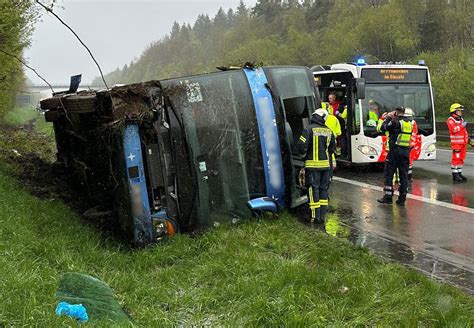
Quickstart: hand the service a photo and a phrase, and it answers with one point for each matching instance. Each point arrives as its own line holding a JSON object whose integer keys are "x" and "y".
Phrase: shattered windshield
{"x": 222, "y": 134}
{"x": 381, "y": 98}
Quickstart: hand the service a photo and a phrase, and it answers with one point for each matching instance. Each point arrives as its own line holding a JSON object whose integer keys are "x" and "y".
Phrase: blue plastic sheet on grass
{"x": 76, "y": 311}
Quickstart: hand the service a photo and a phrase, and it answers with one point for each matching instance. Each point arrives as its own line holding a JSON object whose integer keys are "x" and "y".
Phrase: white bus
{"x": 370, "y": 90}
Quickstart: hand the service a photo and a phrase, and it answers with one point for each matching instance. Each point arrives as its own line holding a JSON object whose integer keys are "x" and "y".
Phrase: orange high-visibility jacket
{"x": 457, "y": 133}
{"x": 414, "y": 134}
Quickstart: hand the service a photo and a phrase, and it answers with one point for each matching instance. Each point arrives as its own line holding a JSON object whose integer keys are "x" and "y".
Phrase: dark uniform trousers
{"x": 317, "y": 182}
{"x": 397, "y": 158}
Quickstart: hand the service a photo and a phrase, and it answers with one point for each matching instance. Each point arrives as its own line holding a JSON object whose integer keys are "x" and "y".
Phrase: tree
{"x": 220, "y": 20}
{"x": 16, "y": 25}
{"x": 242, "y": 11}
{"x": 202, "y": 26}
{"x": 431, "y": 26}
{"x": 267, "y": 10}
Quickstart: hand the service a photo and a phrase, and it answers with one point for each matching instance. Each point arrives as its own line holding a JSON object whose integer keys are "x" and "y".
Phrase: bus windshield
{"x": 381, "y": 98}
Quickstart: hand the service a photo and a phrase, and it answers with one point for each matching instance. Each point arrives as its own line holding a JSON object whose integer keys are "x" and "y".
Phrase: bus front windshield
{"x": 381, "y": 98}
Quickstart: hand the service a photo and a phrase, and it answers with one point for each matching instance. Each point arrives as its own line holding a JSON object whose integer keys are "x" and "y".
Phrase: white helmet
{"x": 371, "y": 123}
{"x": 409, "y": 112}
{"x": 321, "y": 112}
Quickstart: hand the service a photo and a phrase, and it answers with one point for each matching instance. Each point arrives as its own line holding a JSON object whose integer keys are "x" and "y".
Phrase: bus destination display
{"x": 395, "y": 75}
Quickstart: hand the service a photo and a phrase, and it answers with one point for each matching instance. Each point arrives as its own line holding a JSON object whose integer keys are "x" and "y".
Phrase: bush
{"x": 452, "y": 76}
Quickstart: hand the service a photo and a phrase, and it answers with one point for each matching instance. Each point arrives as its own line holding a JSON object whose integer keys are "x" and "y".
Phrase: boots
{"x": 463, "y": 178}
{"x": 315, "y": 215}
{"x": 324, "y": 210}
{"x": 457, "y": 178}
{"x": 401, "y": 200}
{"x": 386, "y": 199}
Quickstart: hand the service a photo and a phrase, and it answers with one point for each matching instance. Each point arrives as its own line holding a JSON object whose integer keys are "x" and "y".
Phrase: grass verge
{"x": 262, "y": 272}
{"x": 28, "y": 115}
{"x": 24, "y": 131}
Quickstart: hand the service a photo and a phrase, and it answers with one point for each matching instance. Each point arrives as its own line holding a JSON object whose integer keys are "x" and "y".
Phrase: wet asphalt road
{"x": 433, "y": 233}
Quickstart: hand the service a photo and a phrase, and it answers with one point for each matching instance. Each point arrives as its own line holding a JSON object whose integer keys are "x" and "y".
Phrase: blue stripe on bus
{"x": 136, "y": 184}
{"x": 268, "y": 131}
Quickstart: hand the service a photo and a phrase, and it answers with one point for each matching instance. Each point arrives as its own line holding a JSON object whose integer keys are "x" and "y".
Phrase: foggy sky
{"x": 116, "y": 31}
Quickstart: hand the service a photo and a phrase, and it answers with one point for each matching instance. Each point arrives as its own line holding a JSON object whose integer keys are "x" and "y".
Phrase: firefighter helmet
{"x": 408, "y": 112}
{"x": 454, "y": 107}
{"x": 321, "y": 112}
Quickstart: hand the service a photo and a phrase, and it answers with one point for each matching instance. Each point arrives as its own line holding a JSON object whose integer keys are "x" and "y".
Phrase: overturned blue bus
{"x": 185, "y": 153}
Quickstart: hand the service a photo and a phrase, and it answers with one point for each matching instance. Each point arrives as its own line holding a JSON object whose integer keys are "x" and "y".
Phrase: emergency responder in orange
{"x": 409, "y": 114}
{"x": 400, "y": 130}
{"x": 318, "y": 145}
{"x": 385, "y": 140}
{"x": 459, "y": 140}
{"x": 334, "y": 104}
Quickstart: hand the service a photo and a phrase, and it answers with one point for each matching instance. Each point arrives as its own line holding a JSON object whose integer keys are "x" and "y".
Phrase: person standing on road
{"x": 400, "y": 130}
{"x": 409, "y": 114}
{"x": 318, "y": 145}
{"x": 459, "y": 140}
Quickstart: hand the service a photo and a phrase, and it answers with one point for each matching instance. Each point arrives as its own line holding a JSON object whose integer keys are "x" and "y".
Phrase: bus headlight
{"x": 431, "y": 148}
{"x": 367, "y": 150}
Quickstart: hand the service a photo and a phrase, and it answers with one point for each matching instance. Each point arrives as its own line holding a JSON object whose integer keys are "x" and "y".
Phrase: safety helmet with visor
{"x": 454, "y": 107}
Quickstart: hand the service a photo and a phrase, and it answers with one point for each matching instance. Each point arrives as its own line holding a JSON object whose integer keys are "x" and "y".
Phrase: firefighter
{"x": 459, "y": 139}
{"x": 409, "y": 114}
{"x": 317, "y": 144}
{"x": 400, "y": 130}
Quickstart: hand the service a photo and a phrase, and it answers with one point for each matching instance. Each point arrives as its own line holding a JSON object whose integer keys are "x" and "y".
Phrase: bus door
{"x": 341, "y": 84}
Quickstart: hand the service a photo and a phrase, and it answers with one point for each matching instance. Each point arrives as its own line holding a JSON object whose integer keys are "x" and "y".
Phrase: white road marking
{"x": 411, "y": 196}
{"x": 447, "y": 150}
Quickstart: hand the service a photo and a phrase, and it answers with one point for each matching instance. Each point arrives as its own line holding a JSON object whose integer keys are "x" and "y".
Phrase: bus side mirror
{"x": 360, "y": 87}
{"x": 262, "y": 204}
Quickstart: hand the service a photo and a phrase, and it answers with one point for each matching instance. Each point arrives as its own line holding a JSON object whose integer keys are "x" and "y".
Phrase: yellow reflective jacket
{"x": 318, "y": 143}
{"x": 333, "y": 123}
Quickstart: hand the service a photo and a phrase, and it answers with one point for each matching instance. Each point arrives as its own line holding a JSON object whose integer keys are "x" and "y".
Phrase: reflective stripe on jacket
{"x": 317, "y": 142}
{"x": 457, "y": 132}
{"x": 414, "y": 134}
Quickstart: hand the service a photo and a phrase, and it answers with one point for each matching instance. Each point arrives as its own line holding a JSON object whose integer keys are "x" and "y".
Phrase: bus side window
{"x": 356, "y": 118}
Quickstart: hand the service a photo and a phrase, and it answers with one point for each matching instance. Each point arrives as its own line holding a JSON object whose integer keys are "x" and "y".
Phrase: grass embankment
{"x": 30, "y": 116}
{"x": 266, "y": 272}
{"x": 24, "y": 131}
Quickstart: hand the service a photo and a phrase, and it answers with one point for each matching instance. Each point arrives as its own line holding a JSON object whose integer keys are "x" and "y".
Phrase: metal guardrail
{"x": 442, "y": 132}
